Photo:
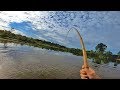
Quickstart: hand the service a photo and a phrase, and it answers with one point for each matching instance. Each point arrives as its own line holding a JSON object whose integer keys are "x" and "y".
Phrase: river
{"x": 25, "y": 62}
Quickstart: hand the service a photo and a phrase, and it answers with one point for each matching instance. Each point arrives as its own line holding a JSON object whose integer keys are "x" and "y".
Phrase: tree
{"x": 108, "y": 55}
{"x": 118, "y": 54}
{"x": 101, "y": 54}
{"x": 101, "y": 48}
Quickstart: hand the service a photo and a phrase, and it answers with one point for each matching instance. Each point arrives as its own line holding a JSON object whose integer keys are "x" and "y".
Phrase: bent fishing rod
{"x": 85, "y": 62}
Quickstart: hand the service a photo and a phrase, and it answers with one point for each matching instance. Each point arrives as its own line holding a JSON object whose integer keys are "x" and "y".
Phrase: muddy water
{"x": 24, "y": 62}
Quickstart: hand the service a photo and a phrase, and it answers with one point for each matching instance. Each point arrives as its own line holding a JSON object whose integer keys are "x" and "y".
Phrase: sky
{"x": 94, "y": 26}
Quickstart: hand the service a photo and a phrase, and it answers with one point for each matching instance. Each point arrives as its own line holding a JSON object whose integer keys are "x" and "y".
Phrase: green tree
{"x": 118, "y": 54}
{"x": 100, "y": 53}
{"x": 101, "y": 48}
{"x": 108, "y": 55}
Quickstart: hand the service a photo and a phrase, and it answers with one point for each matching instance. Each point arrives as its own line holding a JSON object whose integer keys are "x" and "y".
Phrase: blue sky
{"x": 94, "y": 26}
{"x": 25, "y": 27}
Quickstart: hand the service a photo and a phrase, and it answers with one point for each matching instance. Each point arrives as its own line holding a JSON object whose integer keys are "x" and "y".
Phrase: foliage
{"x": 99, "y": 56}
{"x": 101, "y": 48}
{"x": 118, "y": 54}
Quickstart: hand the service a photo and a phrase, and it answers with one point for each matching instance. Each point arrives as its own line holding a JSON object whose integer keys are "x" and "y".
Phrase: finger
{"x": 85, "y": 76}
{"x": 83, "y": 67}
{"x": 82, "y": 72}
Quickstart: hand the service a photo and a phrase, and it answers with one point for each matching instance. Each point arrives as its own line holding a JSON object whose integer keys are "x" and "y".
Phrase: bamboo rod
{"x": 85, "y": 62}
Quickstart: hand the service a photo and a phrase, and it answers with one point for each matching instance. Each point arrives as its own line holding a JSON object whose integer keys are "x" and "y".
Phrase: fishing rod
{"x": 85, "y": 62}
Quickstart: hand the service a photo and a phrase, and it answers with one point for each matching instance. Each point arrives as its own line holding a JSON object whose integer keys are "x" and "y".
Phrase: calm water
{"x": 24, "y": 62}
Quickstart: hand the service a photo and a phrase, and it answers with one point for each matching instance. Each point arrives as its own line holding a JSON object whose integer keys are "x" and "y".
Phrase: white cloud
{"x": 41, "y": 38}
{"x": 18, "y": 32}
{"x": 94, "y": 26}
{"x": 20, "y": 16}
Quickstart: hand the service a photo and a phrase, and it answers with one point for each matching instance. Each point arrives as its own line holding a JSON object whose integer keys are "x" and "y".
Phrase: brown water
{"x": 24, "y": 62}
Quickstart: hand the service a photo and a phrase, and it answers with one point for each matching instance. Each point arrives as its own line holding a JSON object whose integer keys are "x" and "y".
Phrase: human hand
{"x": 88, "y": 73}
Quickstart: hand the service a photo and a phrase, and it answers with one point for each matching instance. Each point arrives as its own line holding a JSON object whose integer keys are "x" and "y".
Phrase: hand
{"x": 88, "y": 73}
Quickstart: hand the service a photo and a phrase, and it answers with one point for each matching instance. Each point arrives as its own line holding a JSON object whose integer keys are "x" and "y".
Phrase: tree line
{"x": 100, "y": 55}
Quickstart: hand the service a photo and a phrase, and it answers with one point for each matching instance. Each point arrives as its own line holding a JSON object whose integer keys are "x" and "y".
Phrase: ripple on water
{"x": 22, "y": 62}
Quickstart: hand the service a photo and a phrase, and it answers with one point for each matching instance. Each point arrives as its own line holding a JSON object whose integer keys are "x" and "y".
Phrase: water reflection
{"x": 24, "y": 62}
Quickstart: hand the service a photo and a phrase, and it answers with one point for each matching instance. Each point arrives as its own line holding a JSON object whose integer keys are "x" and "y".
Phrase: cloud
{"x": 94, "y": 26}
{"x": 18, "y": 32}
